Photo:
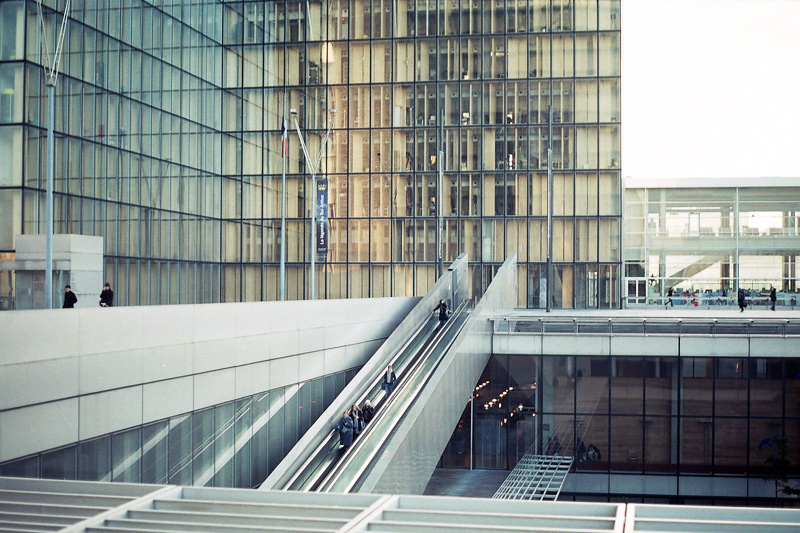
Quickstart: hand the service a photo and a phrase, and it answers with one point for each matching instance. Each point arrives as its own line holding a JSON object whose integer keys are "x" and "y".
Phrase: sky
{"x": 710, "y": 88}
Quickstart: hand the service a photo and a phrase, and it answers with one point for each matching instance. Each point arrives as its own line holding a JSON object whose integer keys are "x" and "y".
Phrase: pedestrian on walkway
{"x": 741, "y": 299}
{"x": 106, "y": 296}
{"x": 69, "y": 298}
{"x": 773, "y": 298}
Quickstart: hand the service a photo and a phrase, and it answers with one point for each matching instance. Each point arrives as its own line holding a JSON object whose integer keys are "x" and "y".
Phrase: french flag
{"x": 285, "y": 135}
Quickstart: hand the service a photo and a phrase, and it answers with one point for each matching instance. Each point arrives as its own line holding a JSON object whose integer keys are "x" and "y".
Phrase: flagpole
{"x": 284, "y": 149}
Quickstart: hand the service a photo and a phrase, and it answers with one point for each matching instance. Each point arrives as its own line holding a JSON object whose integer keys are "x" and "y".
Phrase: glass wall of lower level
{"x": 648, "y": 415}
{"x": 235, "y": 444}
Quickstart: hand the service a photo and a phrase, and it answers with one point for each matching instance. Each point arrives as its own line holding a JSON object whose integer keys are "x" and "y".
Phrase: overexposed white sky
{"x": 710, "y": 88}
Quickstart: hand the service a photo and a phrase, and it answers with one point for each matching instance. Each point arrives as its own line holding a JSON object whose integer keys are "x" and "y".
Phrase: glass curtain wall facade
{"x": 684, "y": 416}
{"x": 705, "y": 242}
{"x": 138, "y": 139}
{"x": 168, "y": 143}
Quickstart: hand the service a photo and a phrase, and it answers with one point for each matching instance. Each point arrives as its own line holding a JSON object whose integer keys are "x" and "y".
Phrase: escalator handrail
{"x": 333, "y": 432}
{"x": 350, "y": 454}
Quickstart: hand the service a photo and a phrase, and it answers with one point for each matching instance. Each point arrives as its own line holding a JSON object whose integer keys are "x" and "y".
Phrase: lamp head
{"x": 334, "y": 111}
{"x": 293, "y": 112}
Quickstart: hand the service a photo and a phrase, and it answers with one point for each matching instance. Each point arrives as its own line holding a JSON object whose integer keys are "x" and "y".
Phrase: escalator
{"x": 330, "y": 468}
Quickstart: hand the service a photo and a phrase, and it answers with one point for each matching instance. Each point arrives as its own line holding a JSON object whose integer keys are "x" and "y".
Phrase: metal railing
{"x": 705, "y": 327}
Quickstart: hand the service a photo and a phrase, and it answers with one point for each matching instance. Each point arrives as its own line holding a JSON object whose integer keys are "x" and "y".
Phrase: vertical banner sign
{"x": 322, "y": 216}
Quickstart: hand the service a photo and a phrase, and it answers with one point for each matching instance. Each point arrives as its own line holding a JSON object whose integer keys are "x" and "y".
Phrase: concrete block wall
{"x": 77, "y": 261}
{"x": 69, "y": 375}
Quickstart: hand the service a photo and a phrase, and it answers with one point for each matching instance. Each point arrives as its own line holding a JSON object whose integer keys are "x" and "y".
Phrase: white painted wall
{"x": 69, "y": 375}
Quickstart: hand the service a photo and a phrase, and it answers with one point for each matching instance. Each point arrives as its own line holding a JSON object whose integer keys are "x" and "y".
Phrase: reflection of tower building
{"x": 194, "y": 110}
{"x": 491, "y": 70}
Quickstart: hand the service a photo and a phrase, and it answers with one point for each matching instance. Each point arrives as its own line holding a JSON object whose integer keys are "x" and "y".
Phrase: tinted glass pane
{"x": 660, "y": 445}
{"x": 490, "y": 441}
{"x": 154, "y": 452}
{"x": 456, "y": 454}
{"x": 696, "y": 439}
{"x": 203, "y": 446}
{"x": 22, "y": 468}
{"x": 60, "y": 464}
{"x": 626, "y": 453}
{"x": 766, "y": 387}
{"x": 595, "y": 440}
{"x": 223, "y": 445}
{"x": 730, "y": 445}
{"x": 94, "y": 460}
{"x": 697, "y": 386}
{"x": 290, "y": 418}
{"x": 627, "y": 386}
{"x": 180, "y": 450}
{"x": 126, "y": 456}
{"x": 276, "y": 414}
{"x": 243, "y": 437}
{"x": 762, "y": 442}
{"x": 730, "y": 394}
{"x": 260, "y": 448}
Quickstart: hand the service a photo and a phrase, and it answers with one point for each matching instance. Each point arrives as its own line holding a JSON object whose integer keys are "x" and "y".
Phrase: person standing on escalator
{"x": 389, "y": 380}
{"x": 367, "y": 412}
{"x": 358, "y": 420}
{"x": 345, "y": 427}
{"x": 442, "y": 307}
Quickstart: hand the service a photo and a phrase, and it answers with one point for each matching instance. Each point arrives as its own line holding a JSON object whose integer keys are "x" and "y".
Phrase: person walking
{"x": 442, "y": 307}
{"x": 106, "y": 296}
{"x": 367, "y": 412}
{"x": 773, "y": 298}
{"x": 669, "y": 298}
{"x": 345, "y": 427}
{"x": 389, "y": 380}
{"x": 69, "y": 298}
{"x": 741, "y": 299}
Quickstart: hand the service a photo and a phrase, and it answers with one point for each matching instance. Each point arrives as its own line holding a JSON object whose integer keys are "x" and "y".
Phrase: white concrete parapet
{"x": 73, "y": 375}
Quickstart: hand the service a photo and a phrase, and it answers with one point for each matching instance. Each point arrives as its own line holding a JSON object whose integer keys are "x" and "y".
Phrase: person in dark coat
{"x": 368, "y": 412}
{"x": 773, "y": 297}
{"x": 741, "y": 300}
{"x": 358, "y": 421}
{"x": 669, "y": 298}
{"x": 389, "y": 380}
{"x": 107, "y": 296}
{"x": 580, "y": 451}
{"x": 345, "y": 427}
{"x": 442, "y": 307}
{"x": 69, "y": 298}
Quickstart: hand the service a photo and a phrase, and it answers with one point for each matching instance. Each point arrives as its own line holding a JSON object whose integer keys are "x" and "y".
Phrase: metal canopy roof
{"x": 33, "y": 505}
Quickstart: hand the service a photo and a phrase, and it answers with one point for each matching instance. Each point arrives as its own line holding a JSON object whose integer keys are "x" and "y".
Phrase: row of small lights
{"x": 516, "y": 410}
{"x": 477, "y": 388}
{"x": 498, "y": 400}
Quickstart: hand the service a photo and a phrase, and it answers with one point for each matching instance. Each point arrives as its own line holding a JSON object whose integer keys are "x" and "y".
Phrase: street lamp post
{"x": 51, "y": 78}
{"x": 313, "y": 167}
